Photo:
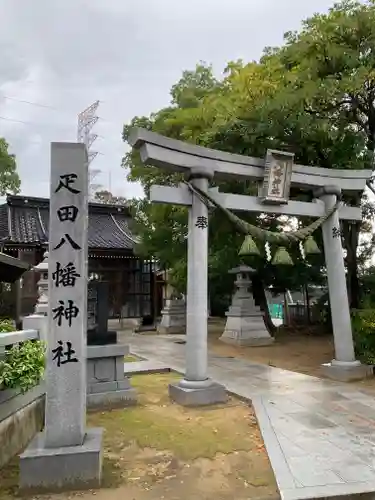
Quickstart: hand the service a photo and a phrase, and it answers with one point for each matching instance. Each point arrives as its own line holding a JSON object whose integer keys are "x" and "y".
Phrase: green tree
{"x": 9, "y": 179}
{"x": 332, "y": 67}
{"x": 313, "y": 96}
{"x": 316, "y": 99}
{"x": 204, "y": 123}
{"x": 193, "y": 86}
{"x": 166, "y": 241}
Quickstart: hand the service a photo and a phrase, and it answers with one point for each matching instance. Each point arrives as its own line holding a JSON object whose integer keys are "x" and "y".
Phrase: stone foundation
{"x": 246, "y": 331}
{"x": 347, "y": 372}
{"x": 106, "y": 384}
{"x": 70, "y": 467}
{"x": 204, "y": 393}
{"x": 173, "y": 320}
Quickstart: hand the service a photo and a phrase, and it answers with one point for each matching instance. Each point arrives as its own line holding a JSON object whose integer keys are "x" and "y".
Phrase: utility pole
{"x": 86, "y": 121}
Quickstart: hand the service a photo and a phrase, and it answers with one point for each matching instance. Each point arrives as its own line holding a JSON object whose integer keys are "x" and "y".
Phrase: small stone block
{"x": 104, "y": 369}
{"x": 102, "y": 387}
{"x": 112, "y": 399}
{"x": 107, "y": 351}
{"x": 108, "y": 386}
{"x": 213, "y": 394}
{"x": 119, "y": 363}
{"x": 70, "y": 467}
{"x": 123, "y": 384}
{"x": 347, "y": 374}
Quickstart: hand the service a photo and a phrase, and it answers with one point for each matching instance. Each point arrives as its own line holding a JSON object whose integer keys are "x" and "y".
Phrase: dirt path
{"x": 297, "y": 352}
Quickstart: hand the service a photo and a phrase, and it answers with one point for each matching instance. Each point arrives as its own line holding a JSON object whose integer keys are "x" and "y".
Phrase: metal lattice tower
{"x": 86, "y": 120}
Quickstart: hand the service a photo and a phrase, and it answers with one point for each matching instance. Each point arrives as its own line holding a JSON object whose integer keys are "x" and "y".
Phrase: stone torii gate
{"x": 275, "y": 175}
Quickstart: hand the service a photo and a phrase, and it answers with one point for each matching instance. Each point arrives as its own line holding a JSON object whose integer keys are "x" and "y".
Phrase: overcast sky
{"x": 66, "y": 54}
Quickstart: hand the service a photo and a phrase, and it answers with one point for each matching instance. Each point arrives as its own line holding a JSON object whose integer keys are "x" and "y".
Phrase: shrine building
{"x": 133, "y": 288}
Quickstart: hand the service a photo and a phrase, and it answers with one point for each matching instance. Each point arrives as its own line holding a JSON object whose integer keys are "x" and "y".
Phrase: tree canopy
{"x": 108, "y": 198}
{"x": 314, "y": 96}
{"x": 9, "y": 179}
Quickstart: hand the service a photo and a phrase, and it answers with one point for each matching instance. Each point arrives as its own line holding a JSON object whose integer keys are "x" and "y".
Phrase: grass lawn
{"x": 159, "y": 450}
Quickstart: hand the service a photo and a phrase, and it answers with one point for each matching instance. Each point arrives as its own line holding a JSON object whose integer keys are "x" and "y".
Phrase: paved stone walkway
{"x": 319, "y": 434}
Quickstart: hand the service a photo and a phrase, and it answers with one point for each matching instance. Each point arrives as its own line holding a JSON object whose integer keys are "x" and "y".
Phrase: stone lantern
{"x": 41, "y": 306}
{"x": 245, "y": 322}
{"x": 39, "y": 320}
{"x": 173, "y": 317}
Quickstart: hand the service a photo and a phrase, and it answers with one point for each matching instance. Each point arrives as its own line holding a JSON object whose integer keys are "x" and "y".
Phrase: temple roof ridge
{"x": 24, "y": 220}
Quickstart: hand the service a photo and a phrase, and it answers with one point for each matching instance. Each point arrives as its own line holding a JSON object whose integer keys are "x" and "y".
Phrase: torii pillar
{"x": 196, "y": 389}
{"x": 344, "y": 367}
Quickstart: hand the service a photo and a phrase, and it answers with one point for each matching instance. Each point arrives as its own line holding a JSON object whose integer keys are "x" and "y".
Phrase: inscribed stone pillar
{"x": 66, "y": 454}
{"x": 67, "y": 284}
{"x": 344, "y": 366}
{"x": 196, "y": 388}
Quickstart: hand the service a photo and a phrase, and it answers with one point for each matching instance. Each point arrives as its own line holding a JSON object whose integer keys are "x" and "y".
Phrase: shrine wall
{"x": 21, "y": 417}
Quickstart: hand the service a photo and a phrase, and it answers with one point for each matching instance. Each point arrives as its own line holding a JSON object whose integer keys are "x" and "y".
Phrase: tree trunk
{"x": 351, "y": 235}
{"x": 286, "y": 316}
{"x": 307, "y": 301}
{"x": 260, "y": 300}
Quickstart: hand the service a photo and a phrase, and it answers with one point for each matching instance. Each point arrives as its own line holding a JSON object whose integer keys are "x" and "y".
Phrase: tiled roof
{"x": 25, "y": 220}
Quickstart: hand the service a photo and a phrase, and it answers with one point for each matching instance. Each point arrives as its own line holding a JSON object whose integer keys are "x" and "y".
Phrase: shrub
{"x": 6, "y": 325}
{"x": 23, "y": 366}
{"x": 363, "y": 323}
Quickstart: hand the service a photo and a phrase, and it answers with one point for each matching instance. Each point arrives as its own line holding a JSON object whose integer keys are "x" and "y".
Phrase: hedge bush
{"x": 363, "y": 323}
{"x": 6, "y": 325}
{"x": 23, "y": 366}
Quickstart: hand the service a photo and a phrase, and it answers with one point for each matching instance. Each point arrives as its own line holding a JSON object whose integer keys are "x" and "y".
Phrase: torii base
{"x": 347, "y": 372}
{"x": 210, "y": 393}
